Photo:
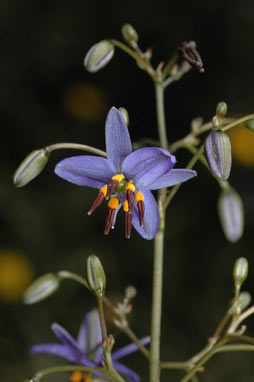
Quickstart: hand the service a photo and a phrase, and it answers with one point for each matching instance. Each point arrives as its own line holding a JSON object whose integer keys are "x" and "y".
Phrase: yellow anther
{"x": 139, "y": 197}
{"x": 118, "y": 177}
{"x": 126, "y": 206}
{"x": 113, "y": 203}
{"x": 104, "y": 190}
{"x": 130, "y": 186}
{"x": 77, "y": 376}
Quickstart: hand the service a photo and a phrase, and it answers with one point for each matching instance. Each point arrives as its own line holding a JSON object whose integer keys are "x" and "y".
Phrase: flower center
{"x": 120, "y": 191}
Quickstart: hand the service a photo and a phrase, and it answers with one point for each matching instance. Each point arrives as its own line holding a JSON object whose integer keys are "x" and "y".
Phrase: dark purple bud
{"x": 188, "y": 51}
{"x": 218, "y": 154}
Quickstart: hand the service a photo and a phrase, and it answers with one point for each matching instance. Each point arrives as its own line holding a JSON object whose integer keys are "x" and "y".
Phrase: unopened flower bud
{"x": 31, "y": 166}
{"x": 221, "y": 109}
{"x": 218, "y": 154}
{"x": 231, "y": 214}
{"x": 99, "y": 55}
{"x": 125, "y": 115}
{"x": 96, "y": 276}
{"x": 42, "y": 288}
{"x": 241, "y": 303}
{"x": 250, "y": 124}
{"x": 129, "y": 34}
{"x": 240, "y": 272}
{"x": 244, "y": 300}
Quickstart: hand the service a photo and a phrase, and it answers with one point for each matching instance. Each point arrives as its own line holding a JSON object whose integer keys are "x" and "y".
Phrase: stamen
{"x": 141, "y": 207}
{"x": 112, "y": 204}
{"x": 102, "y": 194}
{"x": 128, "y": 219}
{"x": 113, "y": 183}
{"x": 130, "y": 188}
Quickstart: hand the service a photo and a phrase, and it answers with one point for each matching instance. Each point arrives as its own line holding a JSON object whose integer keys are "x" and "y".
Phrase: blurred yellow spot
{"x": 78, "y": 376}
{"x": 15, "y": 275}
{"x": 85, "y": 101}
{"x": 242, "y": 141}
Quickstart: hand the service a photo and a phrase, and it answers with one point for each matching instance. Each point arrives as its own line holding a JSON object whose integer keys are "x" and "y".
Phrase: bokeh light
{"x": 16, "y": 274}
{"x": 85, "y": 101}
{"x": 242, "y": 141}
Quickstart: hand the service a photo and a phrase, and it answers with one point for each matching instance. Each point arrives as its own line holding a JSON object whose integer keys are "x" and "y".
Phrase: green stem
{"x": 161, "y": 122}
{"x": 62, "y": 369}
{"x": 158, "y": 251}
{"x": 142, "y": 62}
{"x": 203, "y": 360}
{"x": 73, "y": 276}
{"x": 75, "y": 146}
{"x": 101, "y": 317}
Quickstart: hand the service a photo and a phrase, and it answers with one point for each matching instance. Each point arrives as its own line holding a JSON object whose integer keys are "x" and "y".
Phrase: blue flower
{"x": 87, "y": 349}
{"x": 126, "y": 178}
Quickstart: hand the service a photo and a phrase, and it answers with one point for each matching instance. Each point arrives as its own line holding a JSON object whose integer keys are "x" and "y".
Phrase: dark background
{"x": 46, "y": 96}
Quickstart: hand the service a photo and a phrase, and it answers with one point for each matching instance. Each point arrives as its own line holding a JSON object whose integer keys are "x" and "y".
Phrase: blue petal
{"x": 70, "y": 344}
{"x": 129, "y": 349}
{"x": 85, "y": 170}
{"x": 173, "y": 177}
{"x": 146, "y": 165}
{"x": 122, "y": 369}
{"x": 89, "y": 337}
{"x": 58, "y": 350}
{"x": 118, "y": 143}
{"x": 151, "y": 217}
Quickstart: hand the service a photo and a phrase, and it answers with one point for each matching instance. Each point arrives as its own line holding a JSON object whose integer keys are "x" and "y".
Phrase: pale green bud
{"x": 250, "y": 124}
{"x": 42, "y": 288}
{"x": 240, "y": 272}
{"x": 231, "y": 214}
{"x": 99, "y": 55}
{"x": 95, "y": 275}
{"x": 125, "y": 115}
{"x": 241, "y": 303}
{"x": 31, "y": 166}
{"x": 129, "y": 34}
{"x": 221, "y": 109}
{"x": 244, "y": 300}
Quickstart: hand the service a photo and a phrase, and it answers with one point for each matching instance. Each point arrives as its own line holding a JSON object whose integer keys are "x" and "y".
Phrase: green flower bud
{"x": 96, "y": 276}
{"x": 218, "y": 154}
{"x": 125, "y": 115}
{"x": 244, "y": 300}
{"x": 31, "y": 166}
{"x": 240, "y": 272}
{"x": 129, "y": 34}
{"x": 221, "y": 109}
{"x": 42, "y": 288}
{"x": 240, "y": 303}
{"x": 250, "y": 124}
{"x": 99, "y": 55}
{"x": 231, "y": 214}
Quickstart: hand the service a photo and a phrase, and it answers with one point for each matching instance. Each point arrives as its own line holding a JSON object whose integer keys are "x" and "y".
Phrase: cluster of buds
{"x": 219, "y": 159}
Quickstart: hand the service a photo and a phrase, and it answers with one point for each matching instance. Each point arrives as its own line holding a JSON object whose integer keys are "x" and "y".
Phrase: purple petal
{"x": 58, "y": 350}
{"x": 85, "y": 170}
{"x": 151, "y": 217}
{"x": 146, "y": 165}
{"x": 122, "y": 369}
{"x": 89, "y": 336}
{"x": 173, "y": 177}
{"x": 118, "y": 143}
{"x": 128, "y": 349}
{"x": 98, "y": 356}
{"x": 70, "y": 344}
